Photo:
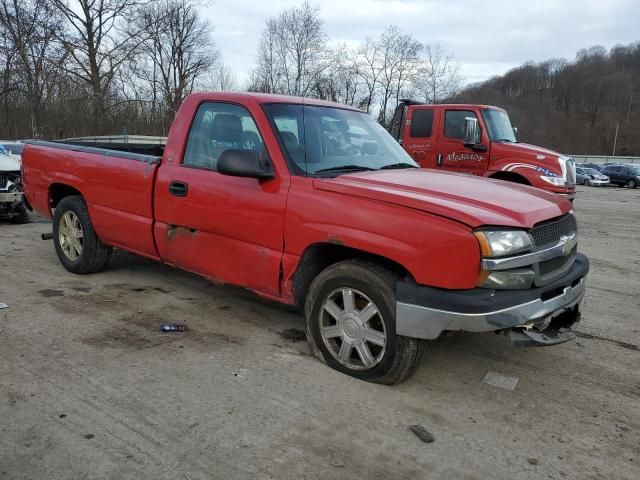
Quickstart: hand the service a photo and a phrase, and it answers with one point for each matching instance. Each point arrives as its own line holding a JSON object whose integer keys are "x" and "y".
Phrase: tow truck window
{"x": 454, "y": 123}
{"x": 218, "y": 127}
{"x": 421, "y": 123}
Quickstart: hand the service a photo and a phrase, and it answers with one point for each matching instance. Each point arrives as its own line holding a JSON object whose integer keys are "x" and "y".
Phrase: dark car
{"x": 622, "y": 175}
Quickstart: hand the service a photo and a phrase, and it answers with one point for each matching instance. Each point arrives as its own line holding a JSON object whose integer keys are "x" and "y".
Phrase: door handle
{"x": 440, "y": 160}
{"x": 178, "y": 189}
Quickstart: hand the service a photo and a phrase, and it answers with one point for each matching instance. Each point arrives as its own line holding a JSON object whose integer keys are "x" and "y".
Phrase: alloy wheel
{"x": 353, "y": 329}
{"x": 70, "y": 235}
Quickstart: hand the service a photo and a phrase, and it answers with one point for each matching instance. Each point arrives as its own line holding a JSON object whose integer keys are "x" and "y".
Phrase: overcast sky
{"x": 488, "y": 37}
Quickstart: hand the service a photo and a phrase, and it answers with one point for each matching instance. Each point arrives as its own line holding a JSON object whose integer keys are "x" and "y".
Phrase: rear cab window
{"x": 421, "y": 123}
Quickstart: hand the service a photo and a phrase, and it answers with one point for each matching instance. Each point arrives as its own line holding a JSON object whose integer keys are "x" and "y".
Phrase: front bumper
{"x": 426, "y": 312}
{"x": 11, "y": 197}
{"x": 597, "y": 183}
{"x": 568, "y": 195}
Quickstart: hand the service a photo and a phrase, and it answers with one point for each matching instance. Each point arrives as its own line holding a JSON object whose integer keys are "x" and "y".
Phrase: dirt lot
{"x": 89, "y": 388}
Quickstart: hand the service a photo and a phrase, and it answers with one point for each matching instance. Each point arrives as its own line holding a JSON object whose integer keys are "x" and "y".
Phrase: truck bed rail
{"x": 152, "y": 159}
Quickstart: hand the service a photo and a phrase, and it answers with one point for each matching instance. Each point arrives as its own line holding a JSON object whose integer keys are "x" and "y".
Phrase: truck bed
{"x": 117, "y": 187}
{"x": 142, "y": 144}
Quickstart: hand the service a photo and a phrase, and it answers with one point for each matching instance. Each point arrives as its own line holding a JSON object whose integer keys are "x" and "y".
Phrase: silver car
{"x": 12, "y": 206}
{"x": 590, "y": 177}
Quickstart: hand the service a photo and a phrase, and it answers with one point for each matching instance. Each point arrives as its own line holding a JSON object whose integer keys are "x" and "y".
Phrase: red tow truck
{"x": 479, "y": 140}
{"x": 314, "y": 204}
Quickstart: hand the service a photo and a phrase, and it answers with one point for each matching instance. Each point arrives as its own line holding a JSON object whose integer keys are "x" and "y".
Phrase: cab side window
{"x": 421, "y": 123}
{"x": 454, "y": 123}
{"x": 216, "y": 128}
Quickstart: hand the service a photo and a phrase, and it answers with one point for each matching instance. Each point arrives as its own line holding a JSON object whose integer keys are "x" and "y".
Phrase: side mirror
{"x": 243, "y": 163}
{"x": 471, "y": 132}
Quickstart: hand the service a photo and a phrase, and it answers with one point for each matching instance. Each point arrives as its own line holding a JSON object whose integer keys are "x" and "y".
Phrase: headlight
{"x": 518, "y": 279}
{"x": 498, "y": 243}
{"x": 558, "y": 181}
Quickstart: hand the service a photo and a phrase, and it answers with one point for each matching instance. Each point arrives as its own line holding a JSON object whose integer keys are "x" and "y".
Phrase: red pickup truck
{"x": 314, "y": 204}
{"x": 479, "y": 140}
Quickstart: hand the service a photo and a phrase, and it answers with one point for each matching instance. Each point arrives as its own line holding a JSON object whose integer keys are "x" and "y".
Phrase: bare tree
{"x": 399, "y": 56}
{"x": 370, "y": 59}
{"x": 219, "y": 78}
{"x": 179, "y": 49}
{"x": 30, "y": 28}
{"x": 98, "y": 43}
{"x": 265, "y": 76}
{"x": 292, "y": 53}
{"x": 439, "y": 76}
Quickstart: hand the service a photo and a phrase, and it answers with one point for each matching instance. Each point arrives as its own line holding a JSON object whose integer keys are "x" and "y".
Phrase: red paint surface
{"x": 253, "y": 233}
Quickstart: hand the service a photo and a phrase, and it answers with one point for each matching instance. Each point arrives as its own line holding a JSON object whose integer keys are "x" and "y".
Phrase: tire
{"x": 632, "y": 183}
{"x": 71, "y": 219}
{"x": 587, "y": 182}
{"x": 22, "y": 216}
{"x": 391, "y": 363}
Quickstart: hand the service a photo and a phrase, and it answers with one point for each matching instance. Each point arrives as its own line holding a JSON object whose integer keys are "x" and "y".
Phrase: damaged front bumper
{"x": 11, "y": 205}
{"x": 534, "y": 317}
{"x": 11, "y": 197}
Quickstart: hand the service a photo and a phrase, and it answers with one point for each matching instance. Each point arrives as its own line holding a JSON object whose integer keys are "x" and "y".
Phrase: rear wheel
{"x": 78, "y": 247}
{"x": 632, "y": 183}
{"x": 350, "y": 323}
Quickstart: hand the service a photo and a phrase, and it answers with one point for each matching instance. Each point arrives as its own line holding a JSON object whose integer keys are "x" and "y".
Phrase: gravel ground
{"x": 89, "y": 388}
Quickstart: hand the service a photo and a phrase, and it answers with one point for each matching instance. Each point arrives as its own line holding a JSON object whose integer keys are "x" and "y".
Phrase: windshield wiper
{"x": 393, "y": 166}
{"x": 508, "y": 140}
{"x": 345, "y": 168}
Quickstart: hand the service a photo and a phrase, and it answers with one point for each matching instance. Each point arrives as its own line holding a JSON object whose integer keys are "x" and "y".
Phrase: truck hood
{"x": 9, "y": 163}
{"x": 524, "y": 152}
{"x": 474, "y": 201}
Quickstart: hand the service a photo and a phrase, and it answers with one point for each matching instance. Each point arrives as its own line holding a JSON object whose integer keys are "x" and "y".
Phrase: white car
{"x": 12, "y": 205}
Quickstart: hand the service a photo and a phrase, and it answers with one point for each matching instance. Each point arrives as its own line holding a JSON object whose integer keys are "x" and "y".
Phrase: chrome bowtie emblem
{"x": 569, "y": 242}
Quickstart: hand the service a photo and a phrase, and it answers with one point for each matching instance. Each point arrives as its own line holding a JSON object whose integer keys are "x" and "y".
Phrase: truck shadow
{"x": 214, "y": 303}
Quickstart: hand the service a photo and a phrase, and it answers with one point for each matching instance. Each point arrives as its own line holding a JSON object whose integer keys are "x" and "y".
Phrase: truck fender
{"x": 298, "y": 271}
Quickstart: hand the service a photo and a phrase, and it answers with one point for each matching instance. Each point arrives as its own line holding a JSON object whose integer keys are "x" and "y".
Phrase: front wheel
{"x": 587, "y": 182}
{"x": 350, "y": 323}
{"x": 78, "y": 247}
{"x": 632, "y": 183}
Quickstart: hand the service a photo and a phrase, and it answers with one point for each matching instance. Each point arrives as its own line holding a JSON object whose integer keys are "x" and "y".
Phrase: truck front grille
{"x": 3, "y": 181}
{"x": 555, "y": 264}
{"x": 550, "y": 233}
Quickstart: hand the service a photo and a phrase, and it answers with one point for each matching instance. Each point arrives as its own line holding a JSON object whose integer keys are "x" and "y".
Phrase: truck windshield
{"x": 326, "y": 141}
{"x": 499, "y": 125}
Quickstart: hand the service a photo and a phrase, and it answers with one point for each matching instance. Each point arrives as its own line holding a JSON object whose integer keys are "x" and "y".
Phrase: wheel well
{"x": 511, "y": 177}
{"x": 58, "y": 191}
{"x": 320, "y": 256}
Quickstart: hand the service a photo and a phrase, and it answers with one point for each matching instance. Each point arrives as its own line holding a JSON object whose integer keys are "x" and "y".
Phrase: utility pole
{"x": 615, "y": 140}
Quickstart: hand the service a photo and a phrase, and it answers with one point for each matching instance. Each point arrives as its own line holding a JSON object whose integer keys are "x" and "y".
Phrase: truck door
{"x": 418, "y": 136}
{"x": 226, "y": 228}
{"x": 452, "y": 154}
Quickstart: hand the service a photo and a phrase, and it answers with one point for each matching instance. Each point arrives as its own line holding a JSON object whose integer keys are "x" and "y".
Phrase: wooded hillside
{"x": 572, "y": 107}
